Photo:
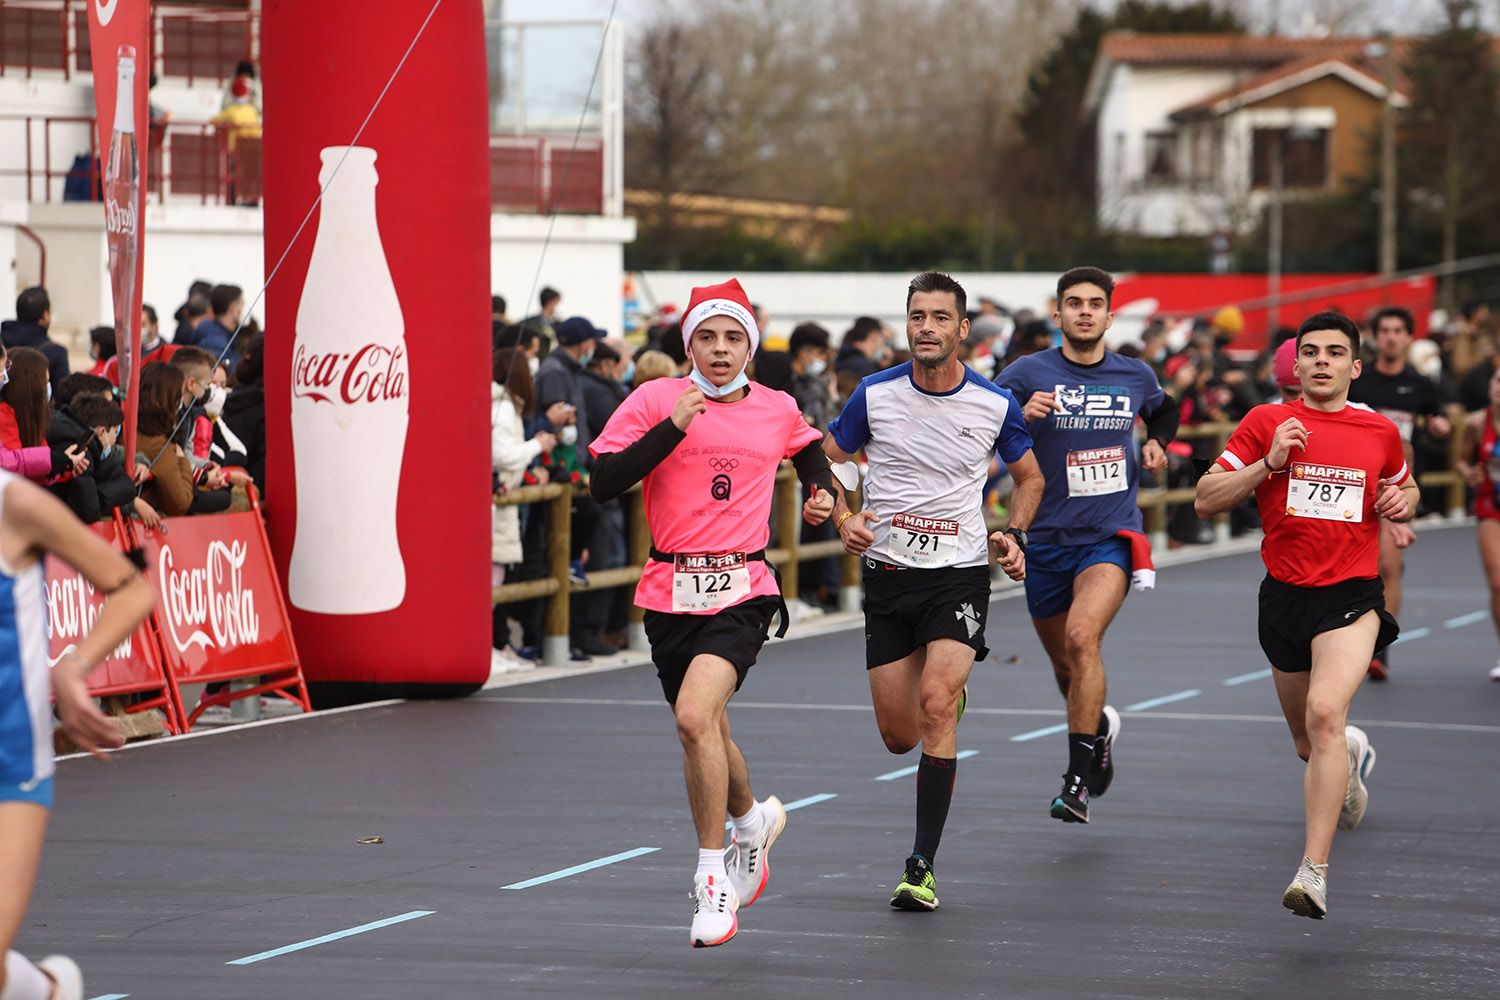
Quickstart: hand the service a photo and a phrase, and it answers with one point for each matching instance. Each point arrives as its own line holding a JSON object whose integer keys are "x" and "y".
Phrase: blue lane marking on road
{"x": 1165, "y": 699}
{"x": 335, "y": 936}
{"x": 585, "y": 867}
{"x": 811, "y": 800}
{"x": 903, "y": 772}
{"x": 1253, "y": 675}
{"x": 1039, "y": 733}
{"x": 1468, "y": 619}
{"x": 1416, "y": 633}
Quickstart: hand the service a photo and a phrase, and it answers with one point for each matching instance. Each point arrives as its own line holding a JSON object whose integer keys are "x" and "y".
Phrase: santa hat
{"x": 727, "y": 299}
{"x": 1143, "y": 570}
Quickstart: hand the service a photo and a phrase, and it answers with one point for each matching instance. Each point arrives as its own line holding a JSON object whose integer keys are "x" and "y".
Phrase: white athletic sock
{"x": 710, "y": 862}
{"x": 24, "y": 981}
{"x": 748, "y": 826}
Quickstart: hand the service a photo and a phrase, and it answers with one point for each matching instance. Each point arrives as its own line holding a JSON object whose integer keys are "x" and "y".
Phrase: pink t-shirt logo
{"x": 721, "y": 485}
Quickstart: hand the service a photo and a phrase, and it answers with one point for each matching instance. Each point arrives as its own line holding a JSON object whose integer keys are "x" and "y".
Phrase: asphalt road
{"x": 172, "y": 866}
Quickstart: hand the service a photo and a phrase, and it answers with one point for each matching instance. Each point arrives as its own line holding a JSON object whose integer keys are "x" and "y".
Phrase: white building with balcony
{"x": 549, "y": 150}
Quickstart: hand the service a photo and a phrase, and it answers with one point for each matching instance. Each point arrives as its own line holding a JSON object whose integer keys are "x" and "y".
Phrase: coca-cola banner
{"x": 119, "y": 33}
{"x": 377, "y": 359}
{"x": 218, "y": 605}
{"x": 73, "y": 604}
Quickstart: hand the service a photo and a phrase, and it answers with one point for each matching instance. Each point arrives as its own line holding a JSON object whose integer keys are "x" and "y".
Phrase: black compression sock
{"x": 1080, "y": 753}
{"x": 934, "y": 792}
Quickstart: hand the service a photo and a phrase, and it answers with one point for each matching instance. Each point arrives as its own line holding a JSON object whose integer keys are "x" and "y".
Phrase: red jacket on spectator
{"x": 162, "y": 352}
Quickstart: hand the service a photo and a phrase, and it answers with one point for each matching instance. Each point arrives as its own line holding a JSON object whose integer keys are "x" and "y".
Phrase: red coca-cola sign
{"x": 73, "y": 605}
{"x": 217, "y": 603}
{"x": 369, "y": 375}
{"x": 207, "y": 604}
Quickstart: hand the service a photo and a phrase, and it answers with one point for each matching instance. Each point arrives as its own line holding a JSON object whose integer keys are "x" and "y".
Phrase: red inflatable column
{"x": 377, "y": 354}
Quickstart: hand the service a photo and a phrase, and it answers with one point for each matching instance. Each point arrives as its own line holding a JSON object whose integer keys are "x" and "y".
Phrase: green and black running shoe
{"x": 917, "y": 889}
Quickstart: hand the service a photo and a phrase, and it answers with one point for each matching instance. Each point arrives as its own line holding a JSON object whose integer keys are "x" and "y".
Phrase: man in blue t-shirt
{"x": 1080, "y": 402}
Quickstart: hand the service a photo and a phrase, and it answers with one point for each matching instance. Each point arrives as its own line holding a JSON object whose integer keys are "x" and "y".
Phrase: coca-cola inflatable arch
{"x": 377, "y": 348}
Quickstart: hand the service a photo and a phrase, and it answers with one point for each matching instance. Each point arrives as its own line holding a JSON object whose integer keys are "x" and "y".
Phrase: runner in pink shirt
{"x": 706, "y": 449}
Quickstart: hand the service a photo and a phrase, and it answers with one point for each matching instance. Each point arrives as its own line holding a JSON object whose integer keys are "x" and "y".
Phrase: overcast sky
{"x": 1398, "y": 15}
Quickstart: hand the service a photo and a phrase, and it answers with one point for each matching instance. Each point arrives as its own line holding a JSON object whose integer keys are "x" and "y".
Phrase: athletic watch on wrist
{"x": 1019, "y": 535}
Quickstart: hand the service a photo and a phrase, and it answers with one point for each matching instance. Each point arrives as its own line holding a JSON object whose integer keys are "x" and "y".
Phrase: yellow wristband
{"x": 838, "y": 526}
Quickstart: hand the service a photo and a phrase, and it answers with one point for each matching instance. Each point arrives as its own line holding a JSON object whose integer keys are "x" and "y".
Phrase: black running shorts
{"x": 906, "y": 608}
{"x": 735, "y": 633}
{"x": 1290, "y": 616}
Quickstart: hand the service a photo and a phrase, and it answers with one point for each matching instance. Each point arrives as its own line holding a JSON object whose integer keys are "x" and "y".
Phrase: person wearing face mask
{"x": 603, "y": 393}
{"x": 153, "y": 347}
{"x": 91, "y": 420}
{"x": 560, "y": 379}
{"x": 811, "y": 385}
{"x": 24, "y": 397}
{"x": 196, "y": 435}
{"x": 812, "y": 388}
{"x": 706, "y": 449}
{"x": 244, "y": 413}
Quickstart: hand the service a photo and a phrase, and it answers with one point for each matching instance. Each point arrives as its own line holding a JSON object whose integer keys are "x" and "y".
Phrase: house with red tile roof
{"x": 1190, "y": 126}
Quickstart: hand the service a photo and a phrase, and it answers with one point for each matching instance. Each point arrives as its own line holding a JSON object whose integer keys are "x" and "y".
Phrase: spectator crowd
{"x": 556, "y": 379}
{"x": 201, "y": 421}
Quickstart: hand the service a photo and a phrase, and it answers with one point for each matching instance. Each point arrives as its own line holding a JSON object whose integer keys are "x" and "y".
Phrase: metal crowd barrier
{"x": 556, "y": 587}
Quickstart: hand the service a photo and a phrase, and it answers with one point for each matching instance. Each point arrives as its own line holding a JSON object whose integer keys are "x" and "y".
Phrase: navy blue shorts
{"x": 1051, "y": 570}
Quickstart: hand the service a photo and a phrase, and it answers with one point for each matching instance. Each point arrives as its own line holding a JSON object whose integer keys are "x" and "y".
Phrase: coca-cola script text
{"x": 368, "y": 375}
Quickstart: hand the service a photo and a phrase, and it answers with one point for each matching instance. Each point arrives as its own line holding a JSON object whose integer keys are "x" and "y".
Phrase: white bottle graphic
{"x": 349, "y": 405}
{"x": 122, "y": 189}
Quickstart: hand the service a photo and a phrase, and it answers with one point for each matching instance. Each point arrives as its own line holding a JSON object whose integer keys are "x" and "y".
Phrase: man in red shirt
{"x": 1323, "y": 474}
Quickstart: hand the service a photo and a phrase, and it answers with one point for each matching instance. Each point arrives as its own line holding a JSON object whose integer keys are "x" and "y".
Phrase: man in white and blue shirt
{"x": 929, "y": 430}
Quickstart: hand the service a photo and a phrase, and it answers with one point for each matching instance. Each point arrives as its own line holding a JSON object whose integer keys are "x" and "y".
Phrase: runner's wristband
{"x": 1266, "y": 461}
{"x": 838, "y": 525}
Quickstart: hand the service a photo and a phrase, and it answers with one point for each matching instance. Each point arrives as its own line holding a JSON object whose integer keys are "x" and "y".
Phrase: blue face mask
{"x": 718, "y": 391}
{"x": 628, "y": 374}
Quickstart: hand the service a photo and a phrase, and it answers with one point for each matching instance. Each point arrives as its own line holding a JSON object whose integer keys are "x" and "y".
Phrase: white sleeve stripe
{"x": 1400, "y": 477}
{"x": 1232, "y": 459}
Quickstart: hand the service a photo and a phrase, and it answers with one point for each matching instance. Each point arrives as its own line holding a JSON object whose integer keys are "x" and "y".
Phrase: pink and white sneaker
{"x": 749, "y": 864}
{"x": 714, "y": 907}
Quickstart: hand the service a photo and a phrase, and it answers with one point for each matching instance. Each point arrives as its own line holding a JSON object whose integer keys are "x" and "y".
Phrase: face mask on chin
{"x": 719, "y": 391}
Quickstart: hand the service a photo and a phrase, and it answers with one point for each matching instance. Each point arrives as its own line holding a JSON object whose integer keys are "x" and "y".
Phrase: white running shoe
{"x": 65, "y": 973}
{"x": 1361, "y": 763}
{"x": 1495, "y": 672}
{"x": 749, "y": 865}
{"x": 1307, "y": 896}
{"x": 714, "y": 906}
